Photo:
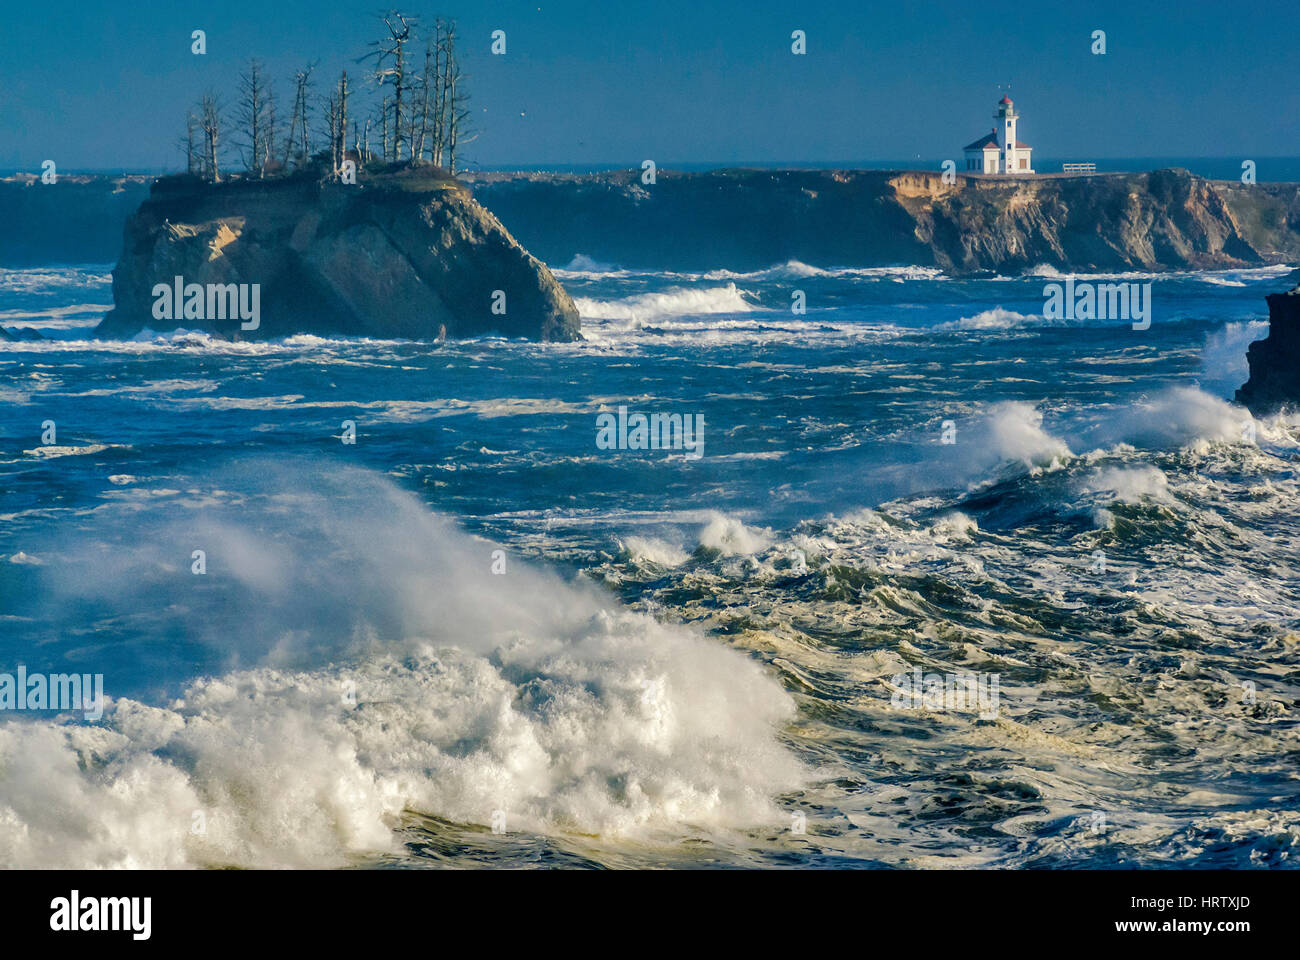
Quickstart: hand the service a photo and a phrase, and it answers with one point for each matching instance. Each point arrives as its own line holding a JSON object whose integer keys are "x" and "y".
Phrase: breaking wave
{"x": 381, "y": 670}
{"x": 675, "y": 302}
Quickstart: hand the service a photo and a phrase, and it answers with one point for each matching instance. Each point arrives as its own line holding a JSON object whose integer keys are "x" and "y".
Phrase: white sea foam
{"x": 731, "y": 537}
{"x": 1004, "y": 439}
{"x": 400, "y": 411}
{"x": 588, "y": 268}
{"x": 654, "y": 550}
{"x": 1013, "y": 431}
{"x": 1216, "y": 277}
{"x": 583, "y": 264}
{"x": 676, "y": 302}
{"x": 1223, "y": 358}
{"x": 796, "y": 269}
{"x": 1174, "y": 417}
{"x": 171, "y": 343}
{"x": 996, "y": 319}
{"x": 70, "y": 317}
{"x": 48, "y": 278}
{"x": 1128, "y": 484}
{"x": 387, "y": 670}
{"x": 953, "y": 526}
{"x": 789, "y": 269}
{"x": 53, "y": 451}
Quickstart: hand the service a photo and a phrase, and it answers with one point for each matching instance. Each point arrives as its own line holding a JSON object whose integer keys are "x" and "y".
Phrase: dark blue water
{"x": 677, "y": 656}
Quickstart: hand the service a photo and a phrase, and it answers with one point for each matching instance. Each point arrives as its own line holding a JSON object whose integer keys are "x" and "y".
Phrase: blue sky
{"x": 105, "y": 85}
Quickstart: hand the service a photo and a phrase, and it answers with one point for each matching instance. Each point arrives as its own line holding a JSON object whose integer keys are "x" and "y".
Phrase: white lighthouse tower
{"x": 1012, "y": 156}
{"x": 1015, "y": 155}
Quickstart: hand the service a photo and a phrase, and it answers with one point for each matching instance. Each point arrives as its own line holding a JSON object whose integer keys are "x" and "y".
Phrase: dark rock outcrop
{"x": 751, "y": 219}
{"x": 406, "y": 254}
{"x": 20, "y": 333}
{"x": 1275, "y": 360}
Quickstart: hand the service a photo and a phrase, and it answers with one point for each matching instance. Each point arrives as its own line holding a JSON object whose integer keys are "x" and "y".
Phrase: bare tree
{"x": 336, "y": 123}
{"x": 445, "y": 32}
{"x": 267, "y": 161}
{"x": 305, "y": 148}
{"x": 210, "y": 123}
{"x": 426, "y": 113}
{"x": 298, "y": 136}
{"x": 342, "y": 118}
{"x": 332, "y": 131}
{"x": 413, "y": 124}
{"x": 389, "y": 54}
{"x": 187, "y": 142}
{"x": 455, "y": 112}
{"x": 432, "y": 51}
{"x": 459, "y": 133}
{"x": 255, "y": 117}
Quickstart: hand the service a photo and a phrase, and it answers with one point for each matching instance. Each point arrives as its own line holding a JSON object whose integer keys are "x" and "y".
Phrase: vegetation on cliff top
{"x": 416, "y": 111}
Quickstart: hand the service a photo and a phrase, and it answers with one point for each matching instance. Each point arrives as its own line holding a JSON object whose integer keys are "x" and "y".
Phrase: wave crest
{"x": 675, "y": 302}
{"x": 385, "y": 669}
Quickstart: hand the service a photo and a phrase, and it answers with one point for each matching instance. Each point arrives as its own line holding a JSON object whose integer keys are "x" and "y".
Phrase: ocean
{"x": 380, "y": 603}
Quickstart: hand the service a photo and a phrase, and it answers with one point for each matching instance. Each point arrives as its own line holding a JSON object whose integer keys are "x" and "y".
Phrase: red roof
{"x": 1005, "y": 100}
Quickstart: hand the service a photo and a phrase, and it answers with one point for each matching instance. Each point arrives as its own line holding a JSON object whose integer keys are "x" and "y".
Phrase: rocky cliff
{"x": 749, "y": 219}
{"x": 1275, "y": 360}
{"x": 399, "y": 255}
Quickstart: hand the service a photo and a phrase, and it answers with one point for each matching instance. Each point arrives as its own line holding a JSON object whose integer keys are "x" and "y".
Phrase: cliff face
{"x": 77, "y": 219}
{"x": 749, "y": 219}
{"x": 398, "y": 256}
{"x": 1275, "y": 360}
{"x": 735, "y": 219}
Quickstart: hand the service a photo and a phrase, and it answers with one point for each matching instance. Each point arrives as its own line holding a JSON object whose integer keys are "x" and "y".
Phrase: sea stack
{"x": 402, "y": 254}
{"x": 1275, "y": 360}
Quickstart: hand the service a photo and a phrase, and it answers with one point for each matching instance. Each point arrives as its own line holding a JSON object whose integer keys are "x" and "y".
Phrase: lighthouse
{"x": 1015, "y": 155}
{"x": 1011, "y": 156}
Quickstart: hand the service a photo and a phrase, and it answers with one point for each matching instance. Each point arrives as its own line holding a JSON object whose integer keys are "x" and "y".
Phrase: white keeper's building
{"x": 1012, "y": 156}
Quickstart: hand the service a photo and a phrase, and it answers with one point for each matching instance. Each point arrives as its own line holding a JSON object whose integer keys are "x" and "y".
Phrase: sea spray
{"x": 385, "y": 669}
